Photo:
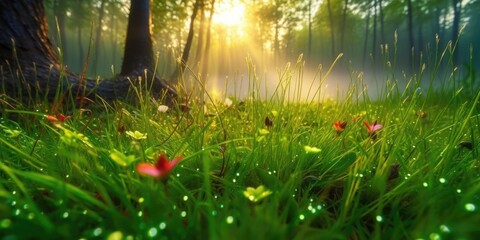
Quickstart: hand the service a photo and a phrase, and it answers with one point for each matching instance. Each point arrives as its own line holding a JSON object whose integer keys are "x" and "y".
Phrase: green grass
{"x": 63, "y": 181}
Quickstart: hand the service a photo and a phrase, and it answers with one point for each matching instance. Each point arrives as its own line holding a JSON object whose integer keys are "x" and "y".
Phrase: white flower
{"x": 228, "y": 102}
{"x": 162, "y": 108}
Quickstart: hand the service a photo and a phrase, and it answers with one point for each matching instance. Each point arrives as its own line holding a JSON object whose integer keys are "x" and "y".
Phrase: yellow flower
{"x": 256, "y": 194}
{"x": 309, "y": 149}
{"x": 136, "y": 135}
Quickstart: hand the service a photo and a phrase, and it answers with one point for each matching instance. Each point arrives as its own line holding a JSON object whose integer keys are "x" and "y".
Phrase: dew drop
{"x": 162, "y": 225}
{"x": 140, "y": 213}
{"x": 470, "y": 207}
{"x": 25, "y": 206}
{"x": 459, "y": 190}
{"x": 31, "y": 216}
{"x": 238, "y": 174}
{"x": 442, "y": 180}
{"x": 425, "y": 184}
{"x": 234, "y": 180}
{"x": 379, "y": 218}
{"x": 230, "y": 219}
{"x": 183, "y": 214}
{"x": 85, "y": 212}
{"x": 319, "y": 207}
{"x": 435, "y": 236}
{"x": 65, "y": 215}
{"x": 152, "y": 232}
{"x": 17, "y": 212}
{"x": 444, "y": 228}
{"x": 97, "y": 232}
{"x": 214, "y": 213}
{"x": 185, "y": 198}
{"x": 141, "y": 200}
{"x": 301, "y": 217}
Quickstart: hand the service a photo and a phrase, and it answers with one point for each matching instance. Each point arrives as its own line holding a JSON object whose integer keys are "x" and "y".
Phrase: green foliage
{"x": 253, "y": 168}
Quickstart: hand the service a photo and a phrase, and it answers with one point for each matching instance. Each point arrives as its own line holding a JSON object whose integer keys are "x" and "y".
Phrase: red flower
{"x": 58, "y": 119}
{"x": 161, "y": 169}
{"x": 372, "y": 128}
{"x": 421, "y": 114}
{"x": 339, "y": 126}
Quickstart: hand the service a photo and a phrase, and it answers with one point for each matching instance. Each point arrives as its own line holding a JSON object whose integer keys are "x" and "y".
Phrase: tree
{"x": 30, "y": 65}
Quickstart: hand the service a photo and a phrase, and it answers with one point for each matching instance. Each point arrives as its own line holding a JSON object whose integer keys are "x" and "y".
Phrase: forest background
{"x": 372, "y": 35}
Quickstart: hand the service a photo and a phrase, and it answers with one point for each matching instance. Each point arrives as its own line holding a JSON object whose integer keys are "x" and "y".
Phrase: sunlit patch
{"x": 229, "y": 14}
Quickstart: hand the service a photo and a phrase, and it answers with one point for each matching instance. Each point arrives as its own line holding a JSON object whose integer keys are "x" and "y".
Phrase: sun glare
{"x": 229, "y": 14}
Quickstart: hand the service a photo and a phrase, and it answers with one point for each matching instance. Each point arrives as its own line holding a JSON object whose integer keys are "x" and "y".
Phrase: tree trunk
{"x": 365, "y": 43}
{"x": 410, "y": 31}
{"x": 382, "y": 22}
{"x": 30, "y": 66}
{"x": 332, "y": 34}
{"x": 344, "y": 23}
{"x": 207, "y": 43}
{"x": 98, "y": 35}
{"x": 374, "y": 39}
{"x": 201, "y": 36}
{"x": 188, "y": 44}
{"x": 309, "y": 56}
{"x": 457, "y": 9}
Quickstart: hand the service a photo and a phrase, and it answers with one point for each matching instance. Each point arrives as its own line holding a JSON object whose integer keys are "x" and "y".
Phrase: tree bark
{"x": 98, "y": 35}
{"x": 332, "y": 29}
{"x": 457, "y": 9}
{"x": 188, "y": 44}
{"x": 410, "y": 31}
{"x": 30, "y": 67}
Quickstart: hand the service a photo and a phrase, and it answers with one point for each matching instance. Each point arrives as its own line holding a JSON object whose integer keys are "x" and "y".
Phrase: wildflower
{"x": 309, "y": 149}
{"x": 339, "y": 126}
{"x": 57, "y": 119}
{"x": 263, "y": 131}
{"x": 121, "y": 159}
{"x": 162, "y": 108}
{"x": 161, "y": 169}
{"x": 136, "y": 135}
{"x": 421, "y": 114}
{"x": 12, "y": 133}
{"x": 256, "y": 194}
{"x": 372, "y": 129}
{"x": 228, "y": 102}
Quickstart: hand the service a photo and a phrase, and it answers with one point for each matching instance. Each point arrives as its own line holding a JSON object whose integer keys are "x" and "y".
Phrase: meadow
{"x": 404, "y": 165}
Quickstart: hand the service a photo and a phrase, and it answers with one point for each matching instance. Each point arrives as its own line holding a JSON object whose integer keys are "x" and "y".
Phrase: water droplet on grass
{"x": 185, "y": 198}
{"x": 444, "y": 228}
{"x": 459, "y": 190}
{"x": 140, "y": 213}
{"x": 183, "y": 214}
{"x": 379, "y": 218}
{"x": 301, "y": 217}
{"x": 435, "y": 236}
{"x": 141, "y": 200}
{"x": 470, "y": 207}
{"x": 97, "y": 232}
{"x": 152, "y": 232}
{"x": 425, "y": 184}
{"x": 230, "y": 219}
{"x": 162, "y": 225}
{"x": 31, "y": 216}
{"x": 442, "y": 180}
{"x": 17, "y": 212}
{"x": 65, "y": 215}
